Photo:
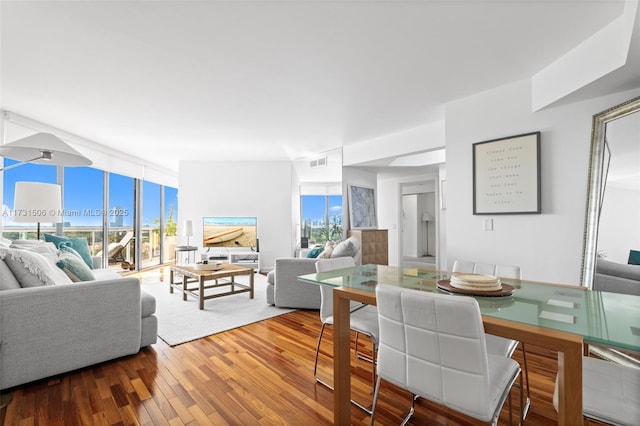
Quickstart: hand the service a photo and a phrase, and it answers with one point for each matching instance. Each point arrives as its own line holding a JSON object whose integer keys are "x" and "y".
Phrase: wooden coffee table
{"x": 222, "y": 277}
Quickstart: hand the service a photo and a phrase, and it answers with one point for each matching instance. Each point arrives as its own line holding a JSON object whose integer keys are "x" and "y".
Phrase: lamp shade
{"x": 43, "y": 148}
{"x": 37, "y": 202}
{"x": 187, "y": 228}
{"x": 427, "y": 217}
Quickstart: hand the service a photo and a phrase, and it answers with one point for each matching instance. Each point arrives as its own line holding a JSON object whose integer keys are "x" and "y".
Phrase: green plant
{"x": 170, "y": 226}
{"x": 333, "y": 230}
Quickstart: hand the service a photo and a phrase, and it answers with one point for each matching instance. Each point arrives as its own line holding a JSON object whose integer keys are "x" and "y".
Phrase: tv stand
{"x": 246, "y": 258}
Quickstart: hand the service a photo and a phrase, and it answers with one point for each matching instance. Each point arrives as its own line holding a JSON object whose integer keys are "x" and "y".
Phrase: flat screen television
{"x": 230, "y": 232}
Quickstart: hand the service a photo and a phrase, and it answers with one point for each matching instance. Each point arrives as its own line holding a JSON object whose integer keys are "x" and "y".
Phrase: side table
{"x": 189, "y": 250}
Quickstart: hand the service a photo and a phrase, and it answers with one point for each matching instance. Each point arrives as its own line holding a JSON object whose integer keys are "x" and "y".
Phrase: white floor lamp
{"x": 426, "y": 218}
{"x": 37, "y": 202}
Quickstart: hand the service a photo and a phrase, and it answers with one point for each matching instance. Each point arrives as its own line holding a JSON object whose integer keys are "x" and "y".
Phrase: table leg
{"x": 251, "y": 285}
{"x": 233, "y": 281}
{"x": 341, "y": 360}
{"x": 570, "y": 386}
{"x": 184, "y": 287}
{"x": 201, "y": 293}
{"x": 171, "y": 281}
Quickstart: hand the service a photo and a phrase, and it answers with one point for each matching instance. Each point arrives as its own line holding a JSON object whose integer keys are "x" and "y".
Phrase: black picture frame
{"x": 506, "y": 175}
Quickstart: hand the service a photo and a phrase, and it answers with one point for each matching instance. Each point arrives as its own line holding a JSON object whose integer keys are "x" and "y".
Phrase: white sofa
{"x": 617, "y": 277}
{"x": 284, "y": 290}
{"x": 52, "y": 329}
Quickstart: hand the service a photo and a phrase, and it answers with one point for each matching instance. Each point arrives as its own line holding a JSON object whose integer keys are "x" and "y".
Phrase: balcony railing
{"x": 151, "y": 243}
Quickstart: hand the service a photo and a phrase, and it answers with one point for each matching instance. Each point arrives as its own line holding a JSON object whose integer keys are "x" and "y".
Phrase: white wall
{"x": 261, "y": 189}
{"x": 547, "y": 246}
{"x": 410, "y": 225}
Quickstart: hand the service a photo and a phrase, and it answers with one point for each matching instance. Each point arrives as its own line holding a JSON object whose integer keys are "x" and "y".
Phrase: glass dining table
{"x": 558, "y": 317}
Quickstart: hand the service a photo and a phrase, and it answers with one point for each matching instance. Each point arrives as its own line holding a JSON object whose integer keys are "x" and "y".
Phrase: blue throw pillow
{"x": 67, "y": 248}
{"x": 634, "y": 257}
{"x": 74, "y": 267}
{"x": 78, "y": 244}
{"x": 315, "y": 252}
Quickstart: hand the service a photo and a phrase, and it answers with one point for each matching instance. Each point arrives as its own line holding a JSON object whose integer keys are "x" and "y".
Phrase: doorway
{"x": 419, "y": 225}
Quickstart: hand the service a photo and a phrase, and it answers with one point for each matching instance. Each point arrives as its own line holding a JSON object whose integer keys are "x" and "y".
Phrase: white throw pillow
{"x": 7, "y": 280}
{"x": 38, "y": 246}
{"x": 33, "y": 269}
{"x": 345, "y": 248}
{"x": 328, "y": 249}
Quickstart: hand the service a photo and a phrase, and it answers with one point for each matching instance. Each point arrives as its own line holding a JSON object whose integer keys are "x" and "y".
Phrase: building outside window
{"x": 321, "y": 218}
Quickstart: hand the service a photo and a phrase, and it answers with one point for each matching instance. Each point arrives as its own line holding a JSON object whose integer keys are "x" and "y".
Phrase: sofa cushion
{"x": 346, "y": 248}
{"x": 147, "y": 304}
{"x": 7, "y": 280}
{"x": 105, "y": 274}
{"x": 78, "y": 244}
{"x": 73, "y": 265}
{"x": 33, "y": 269}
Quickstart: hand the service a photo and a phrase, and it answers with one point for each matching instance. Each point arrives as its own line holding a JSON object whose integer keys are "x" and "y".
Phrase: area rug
{"x": 181, "y": 321}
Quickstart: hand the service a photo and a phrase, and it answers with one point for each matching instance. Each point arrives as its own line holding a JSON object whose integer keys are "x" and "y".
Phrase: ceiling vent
{"x": 318, "y": 162}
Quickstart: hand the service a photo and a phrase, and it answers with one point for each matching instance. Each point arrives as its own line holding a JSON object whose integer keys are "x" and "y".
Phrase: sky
{"x": 313, "y": 207}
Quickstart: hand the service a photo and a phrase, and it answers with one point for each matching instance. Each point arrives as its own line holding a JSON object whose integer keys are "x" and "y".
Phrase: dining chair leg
{"x": 525, "y": 409}
{"x": 510, "y": 408}
{"x": 359, "y": 354}
{"x": 315, "y": 365}
{"x": 322, "y": 382}
{"x": 375, "y": 401}
{"x": 373, "y": 364}
{"x": 522, "y": 409}
{"x": 413, "y": 410}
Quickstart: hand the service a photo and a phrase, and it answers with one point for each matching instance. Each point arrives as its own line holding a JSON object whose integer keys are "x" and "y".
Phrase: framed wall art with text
{"x": 506, "y": 175}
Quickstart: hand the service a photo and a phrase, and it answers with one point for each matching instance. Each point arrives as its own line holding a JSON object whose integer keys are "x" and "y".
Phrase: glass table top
{"x": 599, "y": 317}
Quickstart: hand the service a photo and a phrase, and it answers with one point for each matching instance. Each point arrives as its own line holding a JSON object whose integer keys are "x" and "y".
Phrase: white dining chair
{"x": 610, "y": 392}
{"x": 364, "y": 319}
{"x": 434, "y": 346}
{"x": 497, "y": 344}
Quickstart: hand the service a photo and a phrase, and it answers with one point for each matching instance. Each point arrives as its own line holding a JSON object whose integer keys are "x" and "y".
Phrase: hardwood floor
{"x": 260, "y": 374}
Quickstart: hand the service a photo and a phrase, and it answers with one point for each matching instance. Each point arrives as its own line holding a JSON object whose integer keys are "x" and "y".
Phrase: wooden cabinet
{"x": 374, "y": 244}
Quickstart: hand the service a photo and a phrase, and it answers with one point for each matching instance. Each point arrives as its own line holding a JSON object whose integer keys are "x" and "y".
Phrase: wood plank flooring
{"x": 260, "y": 374}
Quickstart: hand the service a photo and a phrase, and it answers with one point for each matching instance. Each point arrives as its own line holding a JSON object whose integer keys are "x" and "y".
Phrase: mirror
{"x": 614, "y": 139}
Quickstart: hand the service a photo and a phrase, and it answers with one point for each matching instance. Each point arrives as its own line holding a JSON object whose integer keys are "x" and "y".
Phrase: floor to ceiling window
{"x": 121, "y": 254}
{"x": 151, "y": 218}
{"x": 83, "y": 201}
{"x": 321, "y": 217}
{"x": 170, "y": 239}
{"x": 84, "y": 213}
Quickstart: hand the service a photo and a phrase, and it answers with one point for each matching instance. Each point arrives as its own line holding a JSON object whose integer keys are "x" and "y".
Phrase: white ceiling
{"x": 269, "y": 80}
